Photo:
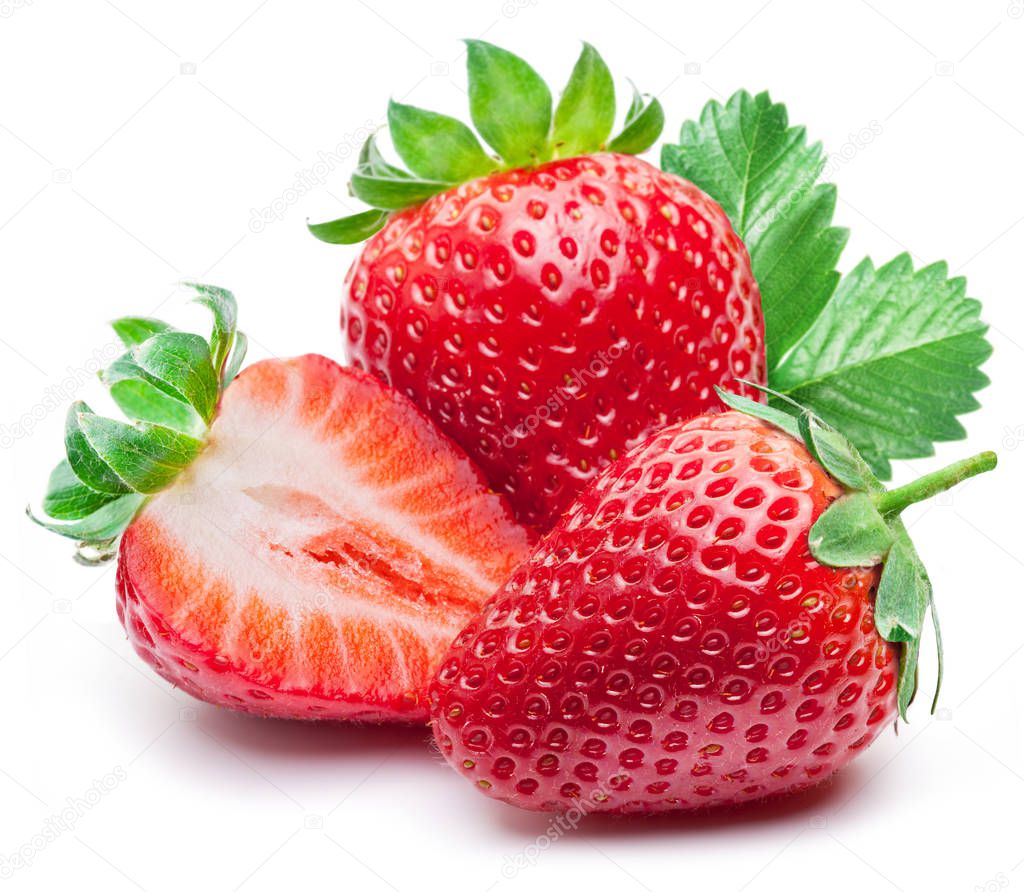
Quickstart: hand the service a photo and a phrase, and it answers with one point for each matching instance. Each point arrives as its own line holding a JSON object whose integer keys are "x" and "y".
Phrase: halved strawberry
{"x": 317, "y": 557}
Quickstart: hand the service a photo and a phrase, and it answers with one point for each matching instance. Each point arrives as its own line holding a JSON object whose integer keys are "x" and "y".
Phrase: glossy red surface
{"x": 672, "y": 644}
{"x": 550, "y": 319}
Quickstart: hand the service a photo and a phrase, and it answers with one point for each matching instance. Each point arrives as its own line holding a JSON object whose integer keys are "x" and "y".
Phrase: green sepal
{"x": 862, "y": 527}
{"x": 827, "y": 446}
{"x": 782, "y": 420}
{"x": 141, "y": 401}
{"x": 134, "y": 330}
{"x": 169, "y": 385}
{"x": 67, "y": 498}
{"x": 644, "y": 123}
{"x": 436, "y": 147}
{"x": 392, "y": 193}
{"x": 850, "y": 533}
{"x": 585, "y": 113}
{"x": 350, "y": 230}
{"x": 221, "y": 303}
{"x": 235, "y": 359}
{"x": 512, "y": 110}
{"x": 833, "y": 451}
{"x": 906, "y": 685}
{"x": 181, "y": 361}
{"x": 939, "y": 656}
{"x": 87, "y": 465}
{"x": 147, "y": 457}
{"x": 102, "y": 526}
{"x": 904, "y": 594}
{"x": 143, "y": 398}
{"x": 509, "y": 103}
{"x": 371, "y": 158}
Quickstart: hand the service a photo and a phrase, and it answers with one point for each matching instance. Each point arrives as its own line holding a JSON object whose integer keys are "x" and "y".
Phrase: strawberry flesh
{"x": 319, "y": 556}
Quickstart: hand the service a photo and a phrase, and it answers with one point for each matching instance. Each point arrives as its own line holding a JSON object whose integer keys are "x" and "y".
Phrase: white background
{"x": 138, "y": 143}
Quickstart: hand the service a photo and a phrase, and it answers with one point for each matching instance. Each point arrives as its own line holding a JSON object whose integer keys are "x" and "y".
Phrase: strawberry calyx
{"x": 862, "y": 528}
{"x": 512, "y": 110}
{"x": 168, "y": 384}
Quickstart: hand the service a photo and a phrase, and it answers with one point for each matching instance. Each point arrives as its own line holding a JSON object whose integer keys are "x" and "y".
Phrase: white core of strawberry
{"x": 359, "y": 516}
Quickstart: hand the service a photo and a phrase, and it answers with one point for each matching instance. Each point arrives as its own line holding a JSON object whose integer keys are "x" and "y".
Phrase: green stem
{"x": 894, "y": 501}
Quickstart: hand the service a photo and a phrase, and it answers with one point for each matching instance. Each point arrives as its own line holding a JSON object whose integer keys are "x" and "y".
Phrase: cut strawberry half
{"x": 318, "y": 556}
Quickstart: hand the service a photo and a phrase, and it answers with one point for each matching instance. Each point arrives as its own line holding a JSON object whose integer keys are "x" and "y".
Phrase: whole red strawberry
{"x": 679, "y": 641}
{"x": 299, "y": 541}
{"x": 560, "y": 304}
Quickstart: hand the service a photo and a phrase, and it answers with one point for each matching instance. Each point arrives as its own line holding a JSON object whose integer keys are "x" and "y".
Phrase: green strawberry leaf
{"x": 435, "y": 146}
{"x": 644, "y": 123}
{"x": 586, "y": 110}
{"x": 892, "y": 360}
{"x": 350, "y": 230}
{"x": 86, "y": 463}
{"x": 146, "y": 456}
{"x": 762, "y": 171}
{"x": 134, "y": 330}
{"x": 180, "y": 363}
{"x": 67, "y": 498}
{"x": 509, "y": 103}
{"x": 878, "y": 345}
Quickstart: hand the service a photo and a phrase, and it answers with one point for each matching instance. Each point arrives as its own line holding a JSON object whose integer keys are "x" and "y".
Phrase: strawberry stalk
{"x": 894, "y": 501}
{"x": 862, "y": 528}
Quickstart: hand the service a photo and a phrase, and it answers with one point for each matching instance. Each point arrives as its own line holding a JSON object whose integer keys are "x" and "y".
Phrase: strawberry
{"x": 731, "y": 611}
{"x": 553, "y": 305}
{"x": 311, "y": 555}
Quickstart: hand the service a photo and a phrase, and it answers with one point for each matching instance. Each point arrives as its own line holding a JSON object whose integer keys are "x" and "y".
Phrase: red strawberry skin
{"x": 550, "y": 319}
{"x": 672, "y": 644}
{"x": 318, "y": 557}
